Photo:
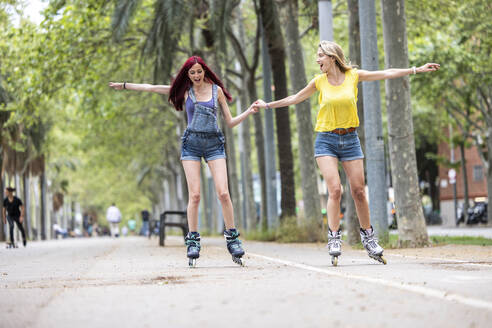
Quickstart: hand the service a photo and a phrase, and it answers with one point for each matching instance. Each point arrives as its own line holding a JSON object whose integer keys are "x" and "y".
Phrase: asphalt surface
{"x": 131, "y": 282}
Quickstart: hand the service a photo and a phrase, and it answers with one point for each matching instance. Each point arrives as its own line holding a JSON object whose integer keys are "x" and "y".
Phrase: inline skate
{"x": 11, "y": 245}
{"x": 334, "y": 245}
{"x": 192, "y": 241}
{"x": 234, "y": 245}
{"x": 370, "y": 243}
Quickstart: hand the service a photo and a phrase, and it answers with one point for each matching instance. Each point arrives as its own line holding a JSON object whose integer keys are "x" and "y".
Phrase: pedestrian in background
{"x": 144, "y": 231}
{"x": 113, "y": 215}
{"x": 13, "y": 211}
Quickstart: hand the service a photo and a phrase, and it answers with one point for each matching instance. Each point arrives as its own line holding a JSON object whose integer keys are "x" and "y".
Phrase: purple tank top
{"x": 190, "y": 108}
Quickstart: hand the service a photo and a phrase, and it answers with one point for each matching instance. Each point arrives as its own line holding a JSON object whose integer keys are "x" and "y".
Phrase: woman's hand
{"x": 260, "y": 104}
{"x": 116, "y": 85}
{"x": 429, "y": 67}
{"x": 253, "y": 109}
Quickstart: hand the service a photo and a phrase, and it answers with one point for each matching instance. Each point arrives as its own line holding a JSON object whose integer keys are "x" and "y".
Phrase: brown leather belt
{"x": 342, "y": 131}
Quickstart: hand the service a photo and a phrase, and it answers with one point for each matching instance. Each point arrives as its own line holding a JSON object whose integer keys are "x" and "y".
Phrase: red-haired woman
{"x": 199, "y": 91}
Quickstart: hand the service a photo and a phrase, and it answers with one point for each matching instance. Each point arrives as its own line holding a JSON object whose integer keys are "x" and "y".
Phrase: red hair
{"x": 182, "y": 82}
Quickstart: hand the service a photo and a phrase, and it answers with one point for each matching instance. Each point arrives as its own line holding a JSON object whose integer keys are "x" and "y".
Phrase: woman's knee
{"x": 194, "y": 198}
{"x": 224, "y": 196}
{"x": 335, "y": 193}
{"x": 359, "y": 193}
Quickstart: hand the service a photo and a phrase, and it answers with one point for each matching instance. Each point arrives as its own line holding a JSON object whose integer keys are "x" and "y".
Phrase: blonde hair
{"x": 330, "y": 48}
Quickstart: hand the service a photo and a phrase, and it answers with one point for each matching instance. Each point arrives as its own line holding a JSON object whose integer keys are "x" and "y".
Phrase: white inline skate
{"x": 334, "y": 245}
{"x": 370, "y": 243}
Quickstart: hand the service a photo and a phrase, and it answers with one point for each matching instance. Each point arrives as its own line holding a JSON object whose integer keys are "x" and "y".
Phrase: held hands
{"x": 259, "y": 104}
{"x": 253, "y": 109}
{"x": 429, "y": 67}
{"x": 116, "y": 85}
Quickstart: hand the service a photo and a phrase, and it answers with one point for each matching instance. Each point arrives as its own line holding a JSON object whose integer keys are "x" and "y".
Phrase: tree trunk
{"x": 246, "y": 173}
{"x": 373, "y": 125}
{"x": 2, "y": 186}
{"x": 466, "y": 200}
{"x": 43, "y": 191}
{"x": 411, "y": 223}
{"x": 312, "y": 208}
{"x": 489, "y": 174}
{"x": 352, "y": 222}
{"x": 27, "y": 203}
{"x": 249, "y": 80}
{"x": 325, "y": 19}
{"x": 276, "y": 49}
{"x": 258, "y": 121}
{"x": 272, "y": 219}
{"x": 259, "y": 142}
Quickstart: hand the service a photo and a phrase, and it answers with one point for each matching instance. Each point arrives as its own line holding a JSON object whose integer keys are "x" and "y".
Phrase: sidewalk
{"x": 485, "y": 232}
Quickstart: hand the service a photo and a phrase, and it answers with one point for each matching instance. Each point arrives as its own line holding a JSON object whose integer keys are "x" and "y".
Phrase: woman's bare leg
{"x": 192, "y": 172}
{"x": 328, "y": 166}
{"x": 218, "y": 168}
{"x": 355, "y": 174}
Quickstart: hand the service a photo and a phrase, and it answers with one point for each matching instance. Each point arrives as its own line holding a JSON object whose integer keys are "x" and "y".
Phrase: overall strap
{"x": 191, "y": 94}
{"x": 215, "y": 96}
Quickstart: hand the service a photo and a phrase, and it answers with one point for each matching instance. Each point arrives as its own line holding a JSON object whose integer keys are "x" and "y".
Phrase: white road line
{"x": 451, "y": 261}
{"x": 443, "y": 295}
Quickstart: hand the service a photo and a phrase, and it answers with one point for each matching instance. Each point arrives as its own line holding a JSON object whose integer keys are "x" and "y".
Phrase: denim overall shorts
{"x": 202, "y": 137}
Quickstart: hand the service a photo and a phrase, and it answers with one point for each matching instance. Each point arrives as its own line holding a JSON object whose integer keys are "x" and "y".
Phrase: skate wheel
{"x": 192, "y": 263}
{"x": 334, "y": 260}
{"x": 383, "y": 260}
{"x": 237, "y": 260}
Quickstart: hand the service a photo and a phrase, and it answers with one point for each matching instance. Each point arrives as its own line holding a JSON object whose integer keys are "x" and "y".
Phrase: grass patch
{"x": 460, "y": 240}
{"x": 391, "y": 243}
{"x": 291, "y": 230}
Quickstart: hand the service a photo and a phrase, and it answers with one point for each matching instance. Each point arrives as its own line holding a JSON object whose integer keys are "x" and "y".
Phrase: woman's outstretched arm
{"x": 233, "y": 121}
{"x": 290, "y": 100}
{"x": 393, "y": 73}
{"x": 162, "y": 89}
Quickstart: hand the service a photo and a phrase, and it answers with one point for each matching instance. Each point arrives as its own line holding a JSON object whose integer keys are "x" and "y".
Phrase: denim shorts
{"x": 344, "y": 147}
{"x": 195, "y": 145}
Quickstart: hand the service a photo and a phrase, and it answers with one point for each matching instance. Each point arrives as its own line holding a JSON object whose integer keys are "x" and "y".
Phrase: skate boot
{"x": 24, "y": 242}
{"x": 334, "y": 245}
{"x": 11, "y": 245}
{"x": 192, "y": 241}
{"x": 234, "y": 245}
{"x": 370, "y": 243}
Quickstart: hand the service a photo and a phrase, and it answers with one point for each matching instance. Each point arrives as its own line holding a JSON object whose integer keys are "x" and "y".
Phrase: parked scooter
{"x": 476, "y": 214}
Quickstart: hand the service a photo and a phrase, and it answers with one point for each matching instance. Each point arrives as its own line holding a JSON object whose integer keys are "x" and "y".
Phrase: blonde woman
{"x": 337, "y": 139}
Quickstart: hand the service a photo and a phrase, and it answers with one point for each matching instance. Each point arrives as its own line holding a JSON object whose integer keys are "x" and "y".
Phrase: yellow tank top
{"x": 337, "y": 104}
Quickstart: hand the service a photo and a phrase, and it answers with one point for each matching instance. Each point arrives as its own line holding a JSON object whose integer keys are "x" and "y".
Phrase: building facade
{"x": 477, "y": 182}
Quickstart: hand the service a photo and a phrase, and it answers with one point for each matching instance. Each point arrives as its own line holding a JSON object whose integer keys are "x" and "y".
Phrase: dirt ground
{"x": 471, "y": 253}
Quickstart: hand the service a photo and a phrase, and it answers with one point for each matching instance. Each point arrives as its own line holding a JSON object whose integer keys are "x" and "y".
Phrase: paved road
{"x": 131, "y": 282}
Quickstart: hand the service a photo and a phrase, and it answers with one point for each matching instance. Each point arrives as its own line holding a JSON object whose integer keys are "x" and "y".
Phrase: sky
{"x": 32, "y": 11}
